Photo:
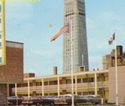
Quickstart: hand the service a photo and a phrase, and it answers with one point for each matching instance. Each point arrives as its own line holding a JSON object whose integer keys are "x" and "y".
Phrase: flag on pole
{"x": 111, "y": 39}
{"x": 64, "y": 29}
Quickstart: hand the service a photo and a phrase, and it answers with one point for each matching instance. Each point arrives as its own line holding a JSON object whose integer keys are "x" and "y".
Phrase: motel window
{"x": 24, "y": 85}
{"x": 85, "y": 79}
{"x": 91, "y": 93}
{"x": 38, "y": 83}
{"x": 46, "y": 83}
{"x": 88, "y": 79}
{"x": 68, "y": 81}
{"x": 19, "y": 85}
{"x": 31, "y": 84}
{"x": 91, "y": 80}
{"x": 85, "y": 93}
{"x": 53, "y": 83}
{"x": 78, "y": 80}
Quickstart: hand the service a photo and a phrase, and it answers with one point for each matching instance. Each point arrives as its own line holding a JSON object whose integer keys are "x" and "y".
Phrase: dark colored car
{"x": 53, "y": 100}
{"x": 36, "y": 100}
{"x": 14, "y": 100}
{"x": 48, "y": 100}
{"x": 32, "y": 101}
{"x": 95, "y": 99}
{"x": 90, "y": 99}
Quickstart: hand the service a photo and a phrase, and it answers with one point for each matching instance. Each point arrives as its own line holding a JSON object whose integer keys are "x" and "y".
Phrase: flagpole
{"x": 72, "y": 62}
{"x": 116, "y": 74}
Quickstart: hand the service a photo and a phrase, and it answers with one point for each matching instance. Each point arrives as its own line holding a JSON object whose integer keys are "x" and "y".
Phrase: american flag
{"x": 64, "y": 29}
{"x": 111, "y": 39}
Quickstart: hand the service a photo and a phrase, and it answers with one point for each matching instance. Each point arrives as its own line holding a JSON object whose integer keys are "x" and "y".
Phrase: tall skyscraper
{"x": 75, "y": 10}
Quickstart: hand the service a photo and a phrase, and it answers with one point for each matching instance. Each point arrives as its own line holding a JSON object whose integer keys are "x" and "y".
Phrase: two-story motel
{"x": 96, "y": 82}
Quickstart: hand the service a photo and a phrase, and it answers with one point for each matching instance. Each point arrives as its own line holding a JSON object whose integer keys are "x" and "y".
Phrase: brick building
{"x": 12, "y": 72}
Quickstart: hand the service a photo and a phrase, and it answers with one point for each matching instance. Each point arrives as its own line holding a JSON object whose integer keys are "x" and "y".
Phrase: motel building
{"x": 93, "y": 82}
{"x": 96, "y": 82}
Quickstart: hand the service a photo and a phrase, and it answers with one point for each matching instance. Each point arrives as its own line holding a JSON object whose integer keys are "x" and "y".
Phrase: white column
{"x": 81, "y": 82}
{"x": 95, "y": 83}
{"x": 58, "y": 86}
{"x": 16, "y": 89}
{"x": 28, "y": 82}
{"x": 42, "y": 87}
{"x": 76, "y": 85}
{"x": 16, "y": 93}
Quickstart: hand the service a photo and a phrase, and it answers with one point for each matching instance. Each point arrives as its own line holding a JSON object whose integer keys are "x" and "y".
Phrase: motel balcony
{"x": 61, "y": 87}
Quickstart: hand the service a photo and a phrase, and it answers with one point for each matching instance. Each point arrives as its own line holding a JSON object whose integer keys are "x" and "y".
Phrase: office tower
{"x": 74, "y": 13}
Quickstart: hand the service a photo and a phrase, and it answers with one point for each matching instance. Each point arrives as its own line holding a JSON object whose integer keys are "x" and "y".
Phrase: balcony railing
{"x": 62, "y": 87}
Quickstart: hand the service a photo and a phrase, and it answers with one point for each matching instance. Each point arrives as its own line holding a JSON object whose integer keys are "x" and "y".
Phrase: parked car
{"x": 91, "y": 99}
{"x": 85, "y": 99}
{"x": 32, "y": 101}
{"x": 36, "y": 100}
{"x": 48, "y": 100}
{"x": 14, "y": 100}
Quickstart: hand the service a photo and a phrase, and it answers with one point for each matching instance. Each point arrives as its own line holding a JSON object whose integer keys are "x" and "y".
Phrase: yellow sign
{"x": 2, "y": 33}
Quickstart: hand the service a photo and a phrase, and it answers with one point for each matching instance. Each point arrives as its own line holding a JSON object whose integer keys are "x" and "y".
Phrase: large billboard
{"x": 2, "y": 33}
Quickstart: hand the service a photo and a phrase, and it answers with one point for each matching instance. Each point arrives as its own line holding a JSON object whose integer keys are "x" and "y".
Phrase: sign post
{"x": 2, "y": 34}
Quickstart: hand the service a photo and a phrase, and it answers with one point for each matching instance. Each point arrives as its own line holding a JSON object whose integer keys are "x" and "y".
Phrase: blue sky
{"x": 29, "y": 23}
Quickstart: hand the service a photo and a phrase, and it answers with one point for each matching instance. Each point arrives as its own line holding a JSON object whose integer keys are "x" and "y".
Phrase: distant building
{"x": 75, "y": 11}
{"x": 29, "y": 75}
{"x": 106, "y": 61}
{"x": 109, "y": 59}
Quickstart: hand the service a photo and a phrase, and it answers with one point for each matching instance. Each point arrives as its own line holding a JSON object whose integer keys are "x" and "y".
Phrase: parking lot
{"x": 70, "y": 105}
{"x": 58, "y": 101}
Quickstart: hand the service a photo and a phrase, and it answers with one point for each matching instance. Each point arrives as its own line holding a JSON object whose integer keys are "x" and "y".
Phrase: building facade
{"x": 12, "y": 72}
{"x": 121, "y": 85}
{"x": 74, "y": 14}
{"x": 108, "y": 60}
